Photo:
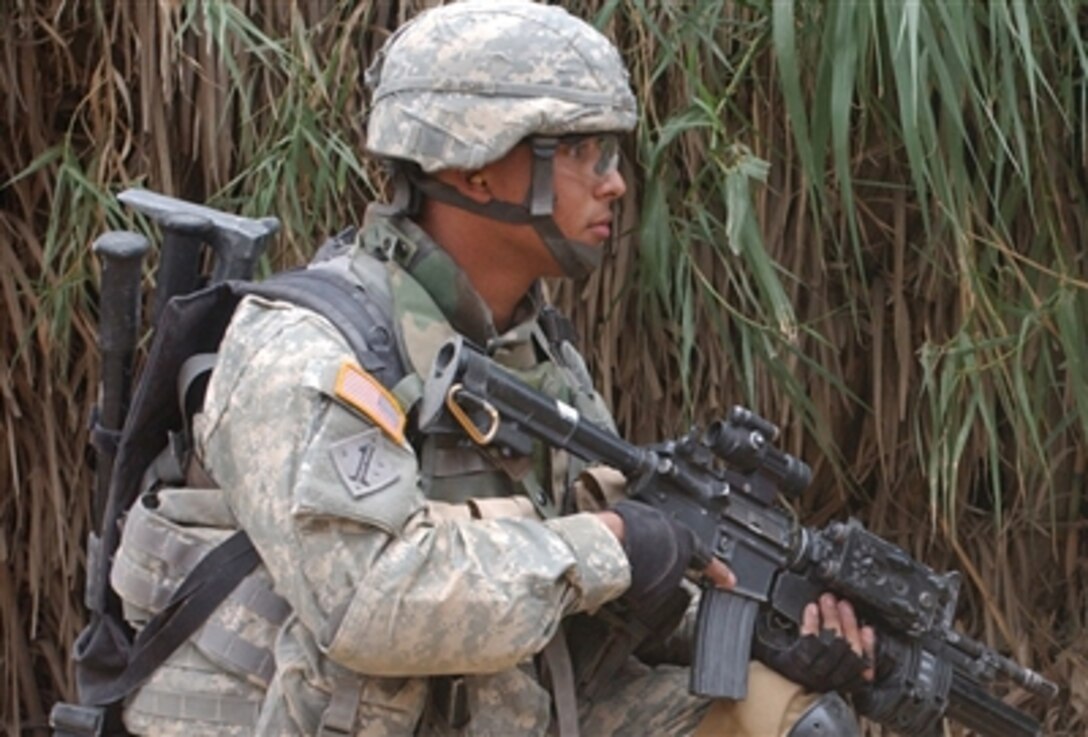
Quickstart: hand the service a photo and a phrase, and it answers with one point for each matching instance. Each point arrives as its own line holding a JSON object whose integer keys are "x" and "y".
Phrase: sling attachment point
{"x": 478, "y": 435}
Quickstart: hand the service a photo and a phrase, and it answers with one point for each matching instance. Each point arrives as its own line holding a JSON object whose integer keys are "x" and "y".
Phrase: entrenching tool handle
{"x": 122, "y": 255}
{"x": 183, "y": 235}
{"x": 236, "y": 255}
{"x": 236, "y": 240}
{"x": 723, "y": 645}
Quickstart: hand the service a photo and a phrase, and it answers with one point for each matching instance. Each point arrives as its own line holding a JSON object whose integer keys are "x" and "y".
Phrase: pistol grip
{"x": 723, "y": 645}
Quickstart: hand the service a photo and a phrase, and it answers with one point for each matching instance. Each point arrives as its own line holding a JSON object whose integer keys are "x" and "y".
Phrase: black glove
{"x": 909, "y": 694}
{"x": 823, "y": 662}
{"x": 659, "y": 549}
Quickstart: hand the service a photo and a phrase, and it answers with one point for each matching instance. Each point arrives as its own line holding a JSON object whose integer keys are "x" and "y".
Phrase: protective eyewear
{"x": 595, "y": 154}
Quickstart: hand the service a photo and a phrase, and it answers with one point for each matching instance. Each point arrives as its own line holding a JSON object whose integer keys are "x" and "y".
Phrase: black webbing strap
{"x": 560, "y": 676}
{"x": 362, "y": 320}
{"x": 203, "y": 590}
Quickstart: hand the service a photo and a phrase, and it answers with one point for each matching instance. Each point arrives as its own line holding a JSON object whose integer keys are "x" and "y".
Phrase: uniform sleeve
{"x": 333, "y": 505}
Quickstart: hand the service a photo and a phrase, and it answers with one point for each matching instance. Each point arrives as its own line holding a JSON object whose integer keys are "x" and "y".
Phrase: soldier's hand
{"x": 660, "y": 550}
{"x": 830, "y": 651}
{"x": 838, "y": 617}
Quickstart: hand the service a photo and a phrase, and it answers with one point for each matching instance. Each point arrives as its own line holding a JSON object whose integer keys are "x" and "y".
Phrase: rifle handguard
{"x": 723, "y": 642}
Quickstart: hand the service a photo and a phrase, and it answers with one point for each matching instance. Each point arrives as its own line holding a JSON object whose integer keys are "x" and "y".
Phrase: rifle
{"x": 723, "y": 484}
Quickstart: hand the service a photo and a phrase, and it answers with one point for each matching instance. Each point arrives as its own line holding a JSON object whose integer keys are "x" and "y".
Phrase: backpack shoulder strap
{"x": 365, "y": 322}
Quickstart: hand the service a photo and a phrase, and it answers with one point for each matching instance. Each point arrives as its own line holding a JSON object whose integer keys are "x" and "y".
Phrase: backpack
{"x": 111, "y": 661}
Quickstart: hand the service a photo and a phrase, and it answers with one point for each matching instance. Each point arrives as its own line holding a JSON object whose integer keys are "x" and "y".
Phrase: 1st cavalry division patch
{"x": 358, "y": 389}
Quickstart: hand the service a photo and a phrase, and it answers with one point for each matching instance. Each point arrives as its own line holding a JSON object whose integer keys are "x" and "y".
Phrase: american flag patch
{"x": 362, "y": 391}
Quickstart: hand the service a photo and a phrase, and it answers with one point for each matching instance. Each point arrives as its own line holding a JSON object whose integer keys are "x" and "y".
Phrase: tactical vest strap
{"x": 202, "y": 591}
{"x": 559, "y": 673}
{"x": 538, "y": 495}
{"x": 556, "y": 326}
{"x": 187, "y": 707}
{"x": 192, "y": 381}
{"x": 240, "y": 654}
{"x": 408, "y": 390}
{"x": 101, "y": 438}
{"x": 339, "y": 716}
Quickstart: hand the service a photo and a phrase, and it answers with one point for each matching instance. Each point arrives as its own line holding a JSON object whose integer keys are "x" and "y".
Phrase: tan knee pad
{"x": 774, "y": 703}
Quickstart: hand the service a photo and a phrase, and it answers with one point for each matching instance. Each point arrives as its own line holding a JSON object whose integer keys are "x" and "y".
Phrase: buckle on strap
{"x": 449, "y": 699}
{"x": 339, "y": 716}
{"x": 76, "y": 720}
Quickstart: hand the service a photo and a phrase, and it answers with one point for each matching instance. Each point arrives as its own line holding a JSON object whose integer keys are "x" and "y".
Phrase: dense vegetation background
{"x": 864, "y": 219}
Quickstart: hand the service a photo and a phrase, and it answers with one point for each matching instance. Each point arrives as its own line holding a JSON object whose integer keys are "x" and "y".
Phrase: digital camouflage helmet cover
{"x": 459, "y": 85}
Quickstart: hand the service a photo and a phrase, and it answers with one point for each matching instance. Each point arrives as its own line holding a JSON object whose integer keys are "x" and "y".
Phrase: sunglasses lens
{"x": 595, "y": 155}
{"x": 609, "y": 150}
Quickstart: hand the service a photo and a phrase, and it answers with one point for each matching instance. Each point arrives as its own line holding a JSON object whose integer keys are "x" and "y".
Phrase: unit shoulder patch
{"x": 362, "y": 465}
{"x": 358, "y": 389}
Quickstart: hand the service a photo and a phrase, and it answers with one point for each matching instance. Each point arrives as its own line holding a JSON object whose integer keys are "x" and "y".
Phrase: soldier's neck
{"x": 488, "y": 260}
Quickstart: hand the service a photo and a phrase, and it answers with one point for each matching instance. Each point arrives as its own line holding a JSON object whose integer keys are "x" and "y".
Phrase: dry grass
{"x": 903, "y": 289}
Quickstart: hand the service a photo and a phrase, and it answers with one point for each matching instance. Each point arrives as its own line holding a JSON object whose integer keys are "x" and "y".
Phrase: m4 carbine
{"x": 724, "y": 485}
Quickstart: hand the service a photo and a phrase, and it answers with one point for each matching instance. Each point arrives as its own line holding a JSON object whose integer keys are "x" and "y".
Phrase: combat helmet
{"x": 460, "y": 85}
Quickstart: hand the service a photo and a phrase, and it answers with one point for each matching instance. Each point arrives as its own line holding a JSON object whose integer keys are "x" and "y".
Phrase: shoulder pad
{"x": 363, "y": 321}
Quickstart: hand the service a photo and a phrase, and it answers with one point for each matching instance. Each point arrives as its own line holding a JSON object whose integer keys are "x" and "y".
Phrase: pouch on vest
{"x": 214, "y": 683}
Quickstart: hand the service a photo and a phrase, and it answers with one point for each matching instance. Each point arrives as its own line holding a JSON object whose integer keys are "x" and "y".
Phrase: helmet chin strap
{"x": 574, "y": 258}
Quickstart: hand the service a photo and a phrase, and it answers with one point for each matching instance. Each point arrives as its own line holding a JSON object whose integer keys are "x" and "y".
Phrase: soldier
{"x": 432, "y": 584}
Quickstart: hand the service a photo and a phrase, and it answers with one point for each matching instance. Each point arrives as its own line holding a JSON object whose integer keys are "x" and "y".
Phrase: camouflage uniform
{"x": 379, "y": 582}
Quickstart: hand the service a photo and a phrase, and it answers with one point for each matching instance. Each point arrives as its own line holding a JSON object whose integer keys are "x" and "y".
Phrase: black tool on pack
{"x": 205, "y": 268}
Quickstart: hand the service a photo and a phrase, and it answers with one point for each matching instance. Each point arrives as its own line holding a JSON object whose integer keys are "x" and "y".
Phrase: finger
{"x": 719, "y": 574}
{"x": 829, "y": 614}
{"x": 810, "y": 619}
{"x": 868, "y": 646}
{"x": 850, "y": 628}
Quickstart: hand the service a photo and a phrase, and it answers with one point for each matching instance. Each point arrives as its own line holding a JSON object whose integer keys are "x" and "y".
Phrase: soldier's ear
{"x": 471, "y": 183}
{"x": 477, "y": 186}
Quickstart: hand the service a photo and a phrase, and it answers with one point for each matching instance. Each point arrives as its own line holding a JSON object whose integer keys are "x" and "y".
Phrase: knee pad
{"x": 827, "y": 716}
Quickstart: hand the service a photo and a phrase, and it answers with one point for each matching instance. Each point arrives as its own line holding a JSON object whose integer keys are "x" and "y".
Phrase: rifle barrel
{"x": 972, "y": 706}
